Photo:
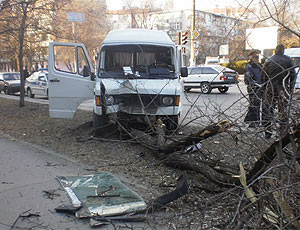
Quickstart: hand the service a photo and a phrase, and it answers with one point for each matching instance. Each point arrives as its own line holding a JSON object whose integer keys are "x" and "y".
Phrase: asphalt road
{"x": 201, "y": 108}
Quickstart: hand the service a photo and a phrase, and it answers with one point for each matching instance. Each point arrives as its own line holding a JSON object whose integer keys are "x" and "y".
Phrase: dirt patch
{"x": 201, "y": 208}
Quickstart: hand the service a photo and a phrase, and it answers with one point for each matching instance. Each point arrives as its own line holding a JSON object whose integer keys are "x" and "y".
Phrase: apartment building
{"x": 215, "y": 30}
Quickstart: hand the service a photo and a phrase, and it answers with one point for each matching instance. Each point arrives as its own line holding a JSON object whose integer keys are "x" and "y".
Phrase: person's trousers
{"x": 253, "y": 114}
{"x": 271, "y": 101}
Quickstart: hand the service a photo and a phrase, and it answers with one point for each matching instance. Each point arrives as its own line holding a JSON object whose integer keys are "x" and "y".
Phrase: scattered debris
{"x": 53, "y": 164}
{"x": 125, "y": 218}
{"x": 4, "y": 182}
{"x": 101, "y": 195}
{"x": 29, "y": 214}
{"x": 51, "y": 194}
{"x": 268, "y": 214}
{"x": 75, "y": 201}
{"x": 193, "y": 148}
{"x": 95, "y": 223}
{"x": 67, "y": 209}
{"x": 105, "y": 199}
{"x": 49, "y": 164}
{"x": 181, "y": 189}
{"x": 84, "y": 139}
{"x": 26, "y": 214}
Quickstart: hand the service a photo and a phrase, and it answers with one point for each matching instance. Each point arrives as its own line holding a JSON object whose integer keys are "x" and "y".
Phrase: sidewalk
{"x": 27, "y": 180}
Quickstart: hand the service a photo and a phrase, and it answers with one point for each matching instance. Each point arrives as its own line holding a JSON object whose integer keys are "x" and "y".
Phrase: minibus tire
{"x": 99, "y": 124}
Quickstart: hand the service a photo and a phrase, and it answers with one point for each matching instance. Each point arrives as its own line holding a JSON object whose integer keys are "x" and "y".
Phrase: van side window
{"x": 65, "y": 58}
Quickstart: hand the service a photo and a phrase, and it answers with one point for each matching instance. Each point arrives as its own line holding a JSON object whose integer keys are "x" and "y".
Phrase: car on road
{"x": 37, "y": 84}
{"x": 10, "y": 82}
{"x": 208, "y": 77}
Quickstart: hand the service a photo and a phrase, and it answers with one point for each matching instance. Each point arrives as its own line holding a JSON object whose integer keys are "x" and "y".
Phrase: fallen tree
{"x": 172, "y": 154}
{"x": 274, "y": 209}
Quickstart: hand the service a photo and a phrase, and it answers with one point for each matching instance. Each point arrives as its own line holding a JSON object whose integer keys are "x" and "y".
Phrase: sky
{"x": 178, "y": 4}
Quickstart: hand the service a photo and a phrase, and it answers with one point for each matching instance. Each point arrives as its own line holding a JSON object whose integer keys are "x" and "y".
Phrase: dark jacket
{"x": 276, "y": 68}
{"x": 26, "y": 73}
{"x": 253, "y": 74}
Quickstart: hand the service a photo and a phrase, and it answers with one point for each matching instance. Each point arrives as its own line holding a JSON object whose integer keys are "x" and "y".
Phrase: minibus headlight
{"x": 168, "y": 100}
{"x": 109, "y": 100}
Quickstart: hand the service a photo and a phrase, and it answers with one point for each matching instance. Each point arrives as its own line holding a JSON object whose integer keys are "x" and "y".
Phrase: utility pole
{"x": 192, "y": 57}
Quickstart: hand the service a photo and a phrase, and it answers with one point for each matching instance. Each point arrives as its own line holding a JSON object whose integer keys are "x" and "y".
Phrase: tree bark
{"x": 182, "y": 162}
{"x": 173, "y": 146}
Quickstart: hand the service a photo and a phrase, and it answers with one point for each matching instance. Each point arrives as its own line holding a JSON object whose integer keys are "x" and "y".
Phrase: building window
{"x": 175, "y": 25}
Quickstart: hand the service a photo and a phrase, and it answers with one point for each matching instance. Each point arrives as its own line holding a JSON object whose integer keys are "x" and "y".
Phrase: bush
{"x": 238, "y": 66}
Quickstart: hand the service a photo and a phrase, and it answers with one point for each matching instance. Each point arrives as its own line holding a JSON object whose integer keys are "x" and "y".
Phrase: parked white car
{"x": 37, "y": 84}
{"x": 209, "y": 77}
{"x": 138, "y": 79}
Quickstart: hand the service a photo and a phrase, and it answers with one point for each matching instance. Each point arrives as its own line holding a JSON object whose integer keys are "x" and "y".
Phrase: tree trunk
{"x": 24, "y": 8}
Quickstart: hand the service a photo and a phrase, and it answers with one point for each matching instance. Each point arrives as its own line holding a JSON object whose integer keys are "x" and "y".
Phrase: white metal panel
{"x": 138, "y": 36}
{"x": 67, "y": 90}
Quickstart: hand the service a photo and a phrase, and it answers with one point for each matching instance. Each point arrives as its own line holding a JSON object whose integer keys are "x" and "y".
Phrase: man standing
{"x": 253, "y": 81}
{"x": 26, "y": 73}
{"x": 278, "y": 79}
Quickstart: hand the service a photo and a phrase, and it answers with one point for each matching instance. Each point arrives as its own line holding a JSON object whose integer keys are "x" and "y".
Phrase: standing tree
{"x": 26, "y": 27}
{"x": 20, "y": 21}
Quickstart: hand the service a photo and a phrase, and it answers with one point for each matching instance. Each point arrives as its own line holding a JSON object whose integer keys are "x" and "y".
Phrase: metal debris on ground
{"x": 50, "y": 194}
{"x": 181, "y": 189}
{"x": 67, "y": 209}
{"x": 105, "y": 199}
{"x": 101, "y": 195}
{"x": 193, "y": 148}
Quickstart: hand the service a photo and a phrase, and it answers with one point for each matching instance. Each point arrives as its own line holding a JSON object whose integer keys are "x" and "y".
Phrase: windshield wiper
{"x": 164, "y": 76}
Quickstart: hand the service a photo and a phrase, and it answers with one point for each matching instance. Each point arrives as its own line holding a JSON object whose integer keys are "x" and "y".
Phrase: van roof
{"x": 292, "y": 52}
{"x": 138, "y": 36}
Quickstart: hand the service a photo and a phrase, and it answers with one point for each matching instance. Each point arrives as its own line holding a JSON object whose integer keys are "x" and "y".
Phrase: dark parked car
{"x": 37, "y": 83}
{"x": 10, "y": 82}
